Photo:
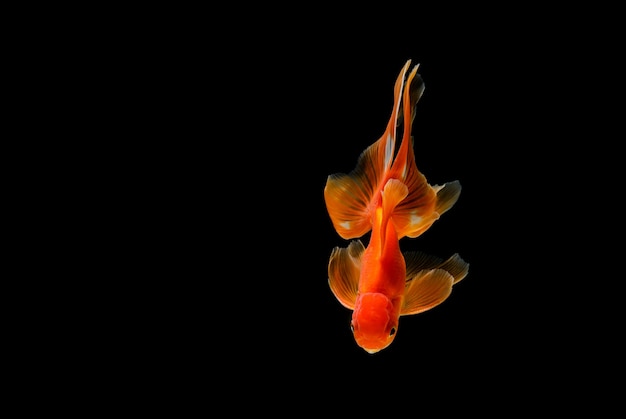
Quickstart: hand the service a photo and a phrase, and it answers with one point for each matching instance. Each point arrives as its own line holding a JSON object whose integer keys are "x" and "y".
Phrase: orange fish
{"x": 380, "y": 286}
{"x": 388, "y": 195}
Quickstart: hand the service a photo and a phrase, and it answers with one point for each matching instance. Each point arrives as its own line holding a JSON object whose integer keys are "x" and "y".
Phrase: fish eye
{"x": 392, "y": 331}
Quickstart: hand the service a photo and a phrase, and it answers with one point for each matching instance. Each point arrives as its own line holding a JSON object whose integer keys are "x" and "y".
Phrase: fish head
{"x": 375, "y": 321}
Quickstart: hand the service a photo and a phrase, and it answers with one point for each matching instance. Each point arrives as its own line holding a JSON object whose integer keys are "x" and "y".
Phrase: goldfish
{"x": 388, "y": 196}
{"x": 380, "y": 289}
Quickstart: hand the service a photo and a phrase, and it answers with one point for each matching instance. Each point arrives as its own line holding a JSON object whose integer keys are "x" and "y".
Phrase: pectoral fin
{"x": 426, "y": 290}
{"x": 344, "y": 269}
{"x": 430, "y": 280}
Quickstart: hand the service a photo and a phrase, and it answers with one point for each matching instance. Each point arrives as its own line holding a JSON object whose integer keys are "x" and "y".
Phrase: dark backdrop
{"x": 234, "y": 139}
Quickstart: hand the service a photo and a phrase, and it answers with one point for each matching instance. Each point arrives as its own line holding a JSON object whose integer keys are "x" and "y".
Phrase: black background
{"x": 235, "y": 137}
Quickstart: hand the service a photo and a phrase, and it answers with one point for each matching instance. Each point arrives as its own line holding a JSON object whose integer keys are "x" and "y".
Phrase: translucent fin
{"x": 423, "y": 206}
{"x": 447, "y": 195}
{"x": 416, "y": 90}
{"x": 456, "y": 267}
{"x": 350, "y": 198}
{"x": 344, "y": 270}
{"x": 348, "y": 201}
{"x": 430, "y": 280}
{"x": 396, "y": 113}
{"x": 426, "y": 290}
{"x": 417, "y": 261}
{"x": 417, "y": 212}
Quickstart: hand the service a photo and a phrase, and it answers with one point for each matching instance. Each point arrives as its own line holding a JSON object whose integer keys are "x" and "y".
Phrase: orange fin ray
{"x": 389, "y": 138}
{"x": 402, "y": 163}
{"x": 416, "y": 90}
{"x": 344, "y": 269}
{"x": 416, "y": 213}
{"x": 350, "y": 197}
{"x": 424, "y": 204}
{"x": 393, "y": 193}
{"x": 426, "y": 290}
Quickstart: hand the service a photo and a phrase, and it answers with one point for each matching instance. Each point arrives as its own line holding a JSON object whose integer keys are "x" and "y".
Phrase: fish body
{"x": 387, "y": 195}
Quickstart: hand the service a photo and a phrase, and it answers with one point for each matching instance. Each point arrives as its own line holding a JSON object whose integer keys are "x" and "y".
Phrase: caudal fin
{"x": 351, "y": 198}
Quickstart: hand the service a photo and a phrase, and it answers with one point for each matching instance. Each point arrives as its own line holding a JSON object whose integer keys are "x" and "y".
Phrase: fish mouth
{"x": 371, "y": 351}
